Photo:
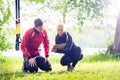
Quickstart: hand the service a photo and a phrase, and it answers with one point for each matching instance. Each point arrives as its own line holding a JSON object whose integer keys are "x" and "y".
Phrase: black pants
{"x": 40, "y": 62}
{"x": 72, "y": 56}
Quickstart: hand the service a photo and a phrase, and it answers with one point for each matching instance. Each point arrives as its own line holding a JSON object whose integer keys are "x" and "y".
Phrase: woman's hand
{"x": 60, "y": 46}
{"x": 54, "y": 49}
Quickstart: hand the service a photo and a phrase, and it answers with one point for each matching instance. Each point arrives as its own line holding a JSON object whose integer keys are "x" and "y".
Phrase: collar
{"x": 37, "y": 32}
{"x": 61, "y": 35}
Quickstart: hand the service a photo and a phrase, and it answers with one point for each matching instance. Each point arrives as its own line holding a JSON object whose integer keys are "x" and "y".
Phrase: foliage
{"x": 86, "y": 9}
{"x": 4, "y": 44}
{"x": 36, "y": 1}
{"x": 6, "y": 13}
{"x": 83, "y": 9}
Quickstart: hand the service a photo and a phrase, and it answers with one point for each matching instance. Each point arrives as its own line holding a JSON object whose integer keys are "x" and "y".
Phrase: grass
{"x": 97, "y": 67}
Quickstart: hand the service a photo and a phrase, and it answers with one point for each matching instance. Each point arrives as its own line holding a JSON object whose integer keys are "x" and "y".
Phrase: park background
{"x": 92, "y": 24}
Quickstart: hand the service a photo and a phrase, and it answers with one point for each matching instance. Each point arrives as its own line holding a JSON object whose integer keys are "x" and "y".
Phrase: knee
{"x": 40, "y": 60}
{"x": 42, "y": 65}
{"x": 33, "y": 69}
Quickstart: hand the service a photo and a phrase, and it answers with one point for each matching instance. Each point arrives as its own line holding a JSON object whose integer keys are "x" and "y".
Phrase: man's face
{"x": 39, "y": 28}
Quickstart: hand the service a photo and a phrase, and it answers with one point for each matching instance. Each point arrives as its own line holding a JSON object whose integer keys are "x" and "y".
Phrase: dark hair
{"x": 38, "y": 22}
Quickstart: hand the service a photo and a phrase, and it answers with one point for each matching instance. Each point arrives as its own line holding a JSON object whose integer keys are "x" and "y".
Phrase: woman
{"x": 64, "y": 44}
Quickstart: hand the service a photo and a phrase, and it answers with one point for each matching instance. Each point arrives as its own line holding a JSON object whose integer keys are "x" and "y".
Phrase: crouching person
{"x": 31, "y": 54}
{"x": 64, "y": 44}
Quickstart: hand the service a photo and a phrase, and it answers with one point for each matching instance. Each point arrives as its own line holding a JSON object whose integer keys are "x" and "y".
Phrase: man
{"x": 30, "y": 48}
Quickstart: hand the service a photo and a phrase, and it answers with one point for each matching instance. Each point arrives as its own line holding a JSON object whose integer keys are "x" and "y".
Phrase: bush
{"x": 5, "y": 13}
{"x": 4, "y": 44}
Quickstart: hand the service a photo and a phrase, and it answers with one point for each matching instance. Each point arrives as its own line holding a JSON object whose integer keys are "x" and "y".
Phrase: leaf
{"x": 6, "y": 13}
{"x": 37, "y": 1}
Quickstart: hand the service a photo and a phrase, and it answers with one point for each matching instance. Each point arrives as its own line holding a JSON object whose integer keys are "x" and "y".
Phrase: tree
{"x": 84, "y": 9}
{"x": 115, "y": 47}
{"x": 5, "y": 14}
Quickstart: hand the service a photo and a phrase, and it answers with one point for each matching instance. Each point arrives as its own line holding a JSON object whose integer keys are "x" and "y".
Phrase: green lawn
{"x": 97, "y": 67}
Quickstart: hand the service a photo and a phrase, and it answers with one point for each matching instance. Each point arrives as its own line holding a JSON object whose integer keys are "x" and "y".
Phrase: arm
{"x": 60, "y": 51}
{"x": 46, "y": 43}
{"x": 24, "y": 43}
{"x": 58, "y": 46}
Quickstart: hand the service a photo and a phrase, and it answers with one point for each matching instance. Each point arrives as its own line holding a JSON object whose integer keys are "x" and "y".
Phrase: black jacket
{"x": 65, "y": 38}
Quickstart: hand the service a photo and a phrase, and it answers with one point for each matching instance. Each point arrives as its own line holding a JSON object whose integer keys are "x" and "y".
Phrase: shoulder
{"x": 44, "y": 31}
{"x": 29, "y": 31}
{"x": 67, "y": 34}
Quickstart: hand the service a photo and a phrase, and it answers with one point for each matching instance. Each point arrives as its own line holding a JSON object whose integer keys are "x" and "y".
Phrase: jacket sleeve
{"x": 69, "y": 43}
{"x": 60, "y": 51}
{"x": 46, "y": 43}
{"x": 24, "y": 43}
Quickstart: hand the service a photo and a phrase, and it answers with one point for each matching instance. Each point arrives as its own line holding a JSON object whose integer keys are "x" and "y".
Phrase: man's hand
{"x": 32, "y": 62}
{"x": 46, "y": 60}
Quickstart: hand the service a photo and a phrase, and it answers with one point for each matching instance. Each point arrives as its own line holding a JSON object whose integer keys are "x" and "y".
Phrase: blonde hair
{"x": 61, "y": 25}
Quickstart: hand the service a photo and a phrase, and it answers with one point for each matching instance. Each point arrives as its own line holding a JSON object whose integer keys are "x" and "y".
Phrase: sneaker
{"x": 24, "y": 70}
{"x": 70, "y": 68}
{"x": 25, "y": 66}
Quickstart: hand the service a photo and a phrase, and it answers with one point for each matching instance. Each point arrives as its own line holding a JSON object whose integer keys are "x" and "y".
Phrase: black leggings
{"x": 40, "y": 63}
{"x": 71, "y": 57}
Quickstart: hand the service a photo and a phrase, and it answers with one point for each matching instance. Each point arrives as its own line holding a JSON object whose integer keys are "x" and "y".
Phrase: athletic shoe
{"x": 70, "y": 68}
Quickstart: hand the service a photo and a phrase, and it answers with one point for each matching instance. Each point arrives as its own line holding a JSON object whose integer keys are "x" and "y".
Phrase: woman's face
{"x": 60, "y": 30}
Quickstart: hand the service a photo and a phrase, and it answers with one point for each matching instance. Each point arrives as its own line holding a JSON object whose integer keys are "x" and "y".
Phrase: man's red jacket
{"x": 31, "y": 42}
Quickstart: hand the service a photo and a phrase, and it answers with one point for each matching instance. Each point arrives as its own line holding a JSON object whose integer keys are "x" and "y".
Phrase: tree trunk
{"x": 115, "y": 47}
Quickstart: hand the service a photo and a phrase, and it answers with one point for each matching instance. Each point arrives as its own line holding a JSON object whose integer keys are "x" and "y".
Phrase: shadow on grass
{"x": 59, "y": 72}
{"x": 9, "y": 75}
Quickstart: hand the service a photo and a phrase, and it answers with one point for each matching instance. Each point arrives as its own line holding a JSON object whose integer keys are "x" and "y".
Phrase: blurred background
{"x": 91, "y": 23}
